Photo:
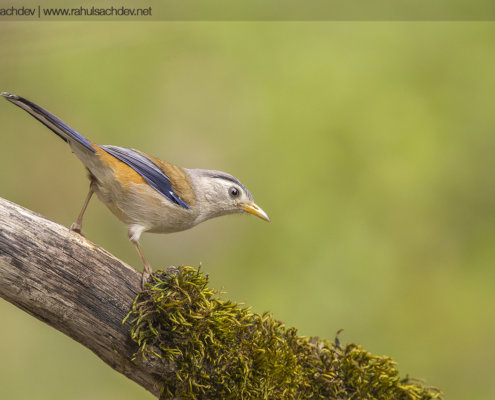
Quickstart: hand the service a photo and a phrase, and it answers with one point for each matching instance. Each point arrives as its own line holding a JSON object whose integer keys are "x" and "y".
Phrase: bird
{"x": 144, "y": 192}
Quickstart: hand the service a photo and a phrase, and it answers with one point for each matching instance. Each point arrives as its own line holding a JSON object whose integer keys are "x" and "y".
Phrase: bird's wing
{"x": 148, "y": 170}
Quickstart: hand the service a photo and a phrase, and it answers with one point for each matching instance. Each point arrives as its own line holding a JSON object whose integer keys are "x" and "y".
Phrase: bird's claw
{"x": 144, "y": 278}
{"x": 75, "y": 227}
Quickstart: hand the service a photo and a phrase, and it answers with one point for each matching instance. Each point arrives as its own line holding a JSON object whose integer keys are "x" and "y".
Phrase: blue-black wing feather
{"x": 148, "y": 170}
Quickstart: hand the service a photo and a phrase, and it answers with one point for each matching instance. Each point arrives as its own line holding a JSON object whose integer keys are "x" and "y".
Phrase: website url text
{"x": 75, "y": 12}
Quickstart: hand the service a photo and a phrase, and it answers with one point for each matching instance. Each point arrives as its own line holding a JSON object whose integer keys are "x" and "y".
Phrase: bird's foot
{"x": 75, "y": 227}
{"x": 144, "y": 278}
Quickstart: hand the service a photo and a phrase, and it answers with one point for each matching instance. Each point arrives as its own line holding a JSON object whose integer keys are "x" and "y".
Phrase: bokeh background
{"x": 370, "y": 145}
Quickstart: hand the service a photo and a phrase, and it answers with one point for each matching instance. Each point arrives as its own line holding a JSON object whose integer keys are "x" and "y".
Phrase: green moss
{"x": 210, "y": 348}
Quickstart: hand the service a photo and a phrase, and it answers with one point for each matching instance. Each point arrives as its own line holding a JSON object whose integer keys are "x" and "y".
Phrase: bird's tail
{"x": 49, "y": 120}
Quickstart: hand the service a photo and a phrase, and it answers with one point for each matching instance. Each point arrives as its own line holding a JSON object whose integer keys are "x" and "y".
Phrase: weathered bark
{"x": 72, "y": 285}
{"x": 80, "y": 289}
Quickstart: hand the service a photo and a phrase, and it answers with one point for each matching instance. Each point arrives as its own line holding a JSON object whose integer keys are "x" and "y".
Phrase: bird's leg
{"x": 77, "y": 226}
{"x": 134, "y": 235}
{"x": 147, "y": 268}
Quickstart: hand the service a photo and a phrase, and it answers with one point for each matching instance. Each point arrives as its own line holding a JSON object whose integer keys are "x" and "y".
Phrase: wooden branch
{"x": 72, "y": 285}
{"x": 192, "y": 344}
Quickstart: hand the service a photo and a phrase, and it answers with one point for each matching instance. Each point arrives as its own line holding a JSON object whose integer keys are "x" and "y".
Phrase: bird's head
{"x": 219, "y": 193}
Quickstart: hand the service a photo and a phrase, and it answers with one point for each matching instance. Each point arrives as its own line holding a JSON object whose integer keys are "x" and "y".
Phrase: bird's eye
{"x": 234, "y": 192}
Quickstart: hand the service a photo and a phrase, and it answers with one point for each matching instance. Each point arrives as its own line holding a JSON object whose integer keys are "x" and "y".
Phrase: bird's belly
{"x": 142, "y": 205}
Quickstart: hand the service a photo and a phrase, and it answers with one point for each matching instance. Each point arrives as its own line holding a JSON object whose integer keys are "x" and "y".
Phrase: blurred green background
{"x": 370, "y": 145}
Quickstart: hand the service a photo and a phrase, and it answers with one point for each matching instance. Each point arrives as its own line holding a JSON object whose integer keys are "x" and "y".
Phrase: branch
{"x": 71, "y": 284}
{"x": 181, "y": 339}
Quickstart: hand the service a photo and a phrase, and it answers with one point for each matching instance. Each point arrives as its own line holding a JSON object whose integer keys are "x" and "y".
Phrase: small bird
{"x": 144, "y": 192}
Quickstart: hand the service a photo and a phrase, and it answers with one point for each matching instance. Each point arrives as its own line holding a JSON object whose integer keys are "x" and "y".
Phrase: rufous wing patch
{"x": 124, "y": 174}
{"x": 181, "y": 183}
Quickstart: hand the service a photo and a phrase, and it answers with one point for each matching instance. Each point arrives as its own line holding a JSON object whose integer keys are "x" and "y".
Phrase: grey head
{"x": 219, "y": 193}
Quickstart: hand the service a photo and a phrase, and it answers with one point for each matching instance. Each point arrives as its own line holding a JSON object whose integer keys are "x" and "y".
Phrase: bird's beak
{"x": 255, "y": 210}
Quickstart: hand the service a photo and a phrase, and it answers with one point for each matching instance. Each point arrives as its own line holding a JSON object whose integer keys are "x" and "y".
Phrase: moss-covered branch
{"x": 180, "y": 340}
{"x": 211, "y": 348}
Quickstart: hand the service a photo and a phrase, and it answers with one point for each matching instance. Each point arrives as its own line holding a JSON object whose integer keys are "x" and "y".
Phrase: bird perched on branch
{"x": 144, "y": 192}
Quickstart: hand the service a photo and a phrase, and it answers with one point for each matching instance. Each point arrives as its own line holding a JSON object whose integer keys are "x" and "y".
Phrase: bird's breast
{"x": 141, "y": 204}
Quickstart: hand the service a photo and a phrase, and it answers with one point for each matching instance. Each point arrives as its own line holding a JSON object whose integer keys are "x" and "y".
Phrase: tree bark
{"x": 71, "y": 284}
{"x": 83, "y": 291}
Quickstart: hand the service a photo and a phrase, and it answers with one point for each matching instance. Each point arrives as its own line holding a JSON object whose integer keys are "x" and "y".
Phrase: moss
{"x": 211, "y": 348}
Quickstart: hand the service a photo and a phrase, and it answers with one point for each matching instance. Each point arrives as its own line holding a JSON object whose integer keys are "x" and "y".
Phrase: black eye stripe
{"x": 226, "y": 177}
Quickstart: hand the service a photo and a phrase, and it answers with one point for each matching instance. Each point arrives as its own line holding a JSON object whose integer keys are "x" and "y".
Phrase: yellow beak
{"x": 255, "y": 210}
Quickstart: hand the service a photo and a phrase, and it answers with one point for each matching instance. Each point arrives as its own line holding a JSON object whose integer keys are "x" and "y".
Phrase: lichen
{"x": 211, "y": 348}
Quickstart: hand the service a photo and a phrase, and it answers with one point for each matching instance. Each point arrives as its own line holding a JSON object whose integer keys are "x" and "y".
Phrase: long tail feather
{"x": 59, "y": 127}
